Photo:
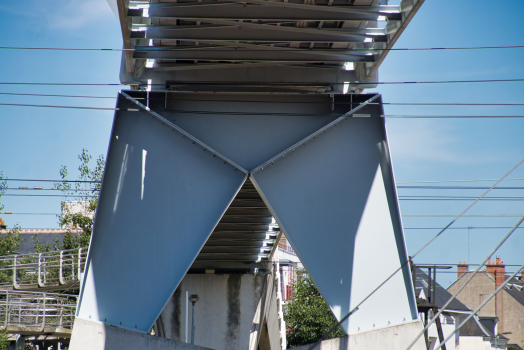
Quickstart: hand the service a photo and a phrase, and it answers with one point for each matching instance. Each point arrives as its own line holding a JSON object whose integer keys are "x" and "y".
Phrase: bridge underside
{"x": 241, "y": 119}
{"x": 258, "y": 45}
{"x": 193, "y": 180}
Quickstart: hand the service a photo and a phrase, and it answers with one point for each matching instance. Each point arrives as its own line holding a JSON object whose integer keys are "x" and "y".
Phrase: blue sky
{"x": 37, "y": 141}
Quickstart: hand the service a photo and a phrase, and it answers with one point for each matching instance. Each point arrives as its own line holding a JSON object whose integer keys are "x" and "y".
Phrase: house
{"x": 507, "y": 307}
{"x": 477, "y": 333}
{"x": 289, "y": 263}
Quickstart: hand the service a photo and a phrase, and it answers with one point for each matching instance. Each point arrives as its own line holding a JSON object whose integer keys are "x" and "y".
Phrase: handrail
{"x": 36, "y": 311}
{"x": 46, "y": 269}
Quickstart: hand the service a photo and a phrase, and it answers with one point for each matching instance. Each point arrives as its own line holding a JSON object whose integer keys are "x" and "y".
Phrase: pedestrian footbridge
{"x": 49, "y": 271}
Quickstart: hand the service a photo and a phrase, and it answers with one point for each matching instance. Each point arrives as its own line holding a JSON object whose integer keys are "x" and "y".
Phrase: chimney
{"x": 497, "y": 270}
{"x": 462, "y": 268}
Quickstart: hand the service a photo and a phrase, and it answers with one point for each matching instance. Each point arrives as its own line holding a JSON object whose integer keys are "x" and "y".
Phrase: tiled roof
{"x": 441, "y": 294}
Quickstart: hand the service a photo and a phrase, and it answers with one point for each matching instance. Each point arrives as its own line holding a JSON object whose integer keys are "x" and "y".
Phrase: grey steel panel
{"x": 224, "y": 33}
{"x": 156, "y": 211}
{"x": 332, "y": 7}
{"x": 258, "y": 12}
{"x": 248, "y": 138}
{"x": 335, "y": 199}
{"x": 250, "y": 55}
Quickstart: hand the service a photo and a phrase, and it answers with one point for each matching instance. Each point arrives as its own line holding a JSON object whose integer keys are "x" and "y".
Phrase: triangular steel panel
{"x": 335, "y": 199}
{"x": 248, "y": 129}
{"x": 162, "y": 195}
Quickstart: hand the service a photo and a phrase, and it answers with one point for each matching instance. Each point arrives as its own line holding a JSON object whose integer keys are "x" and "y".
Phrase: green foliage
{"x": 4, "y": 342}
{"x": 86, "y": 194}
{"x": 307, "y": 314}
{"x": 10, "y": 241}
{"x": 513, "y": 347}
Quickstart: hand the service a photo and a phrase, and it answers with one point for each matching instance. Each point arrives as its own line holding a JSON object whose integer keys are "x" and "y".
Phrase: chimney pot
{"x": 497, "y": 271}
{"x": 462, "y": 268}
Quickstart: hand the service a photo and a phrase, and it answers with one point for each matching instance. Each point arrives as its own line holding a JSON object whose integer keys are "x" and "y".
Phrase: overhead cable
{"x": 41, "y": 180}
{"x": 260, "y": 113}
{"x": 414, "y": 255}
{"x": 511, "y": 199}
{"x": 279, "y": 102}
{"x": 410, "y": 182}
{"x": 482, "y": 305}
{"x": 192, "y": 47}
{"x": 470, "y": 277}
{"x": 273, "y": 84}
{"x": 459, "y": 228}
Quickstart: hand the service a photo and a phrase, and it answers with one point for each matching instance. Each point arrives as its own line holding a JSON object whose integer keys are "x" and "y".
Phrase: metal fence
{"x": 42, "y": 269}
{"x": 35, "y": 312}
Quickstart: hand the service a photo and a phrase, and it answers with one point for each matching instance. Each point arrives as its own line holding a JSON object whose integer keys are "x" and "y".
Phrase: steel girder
{"x": 304, "y": 37}
{"x": 176, "y": 166}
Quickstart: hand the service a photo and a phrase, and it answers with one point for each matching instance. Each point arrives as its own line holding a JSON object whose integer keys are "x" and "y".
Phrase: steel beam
{"x": 249, "y": 55}
{"x": 263, "y": 13}
{"x": 225, "y": 33}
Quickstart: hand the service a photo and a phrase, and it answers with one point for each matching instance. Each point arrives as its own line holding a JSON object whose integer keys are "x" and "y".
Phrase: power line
{"x": 411, "y": 182}
{"x": 462, "y": 287}
{"x": 279, "y": 102}
{"x": 271, "y": 113}
{"x": 516, "y": 199}
{"x": 49, "y": 195}
{"x": 273, "y": 84}
{"x": 459, "y": 228}
{"x": 418, "y": 252}
{"x": 294, "y": 50}
{"x": 41, "y": 180}
{"x": 439, "y": 181}
{"x": 466, "y": 216}
{"x": 459, "y": 187}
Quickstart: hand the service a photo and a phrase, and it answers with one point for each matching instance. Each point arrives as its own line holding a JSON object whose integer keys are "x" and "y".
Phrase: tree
{"x": 86, "y": 191}
{"x": 10, "y": 241}
{"x": 307, "y": 314}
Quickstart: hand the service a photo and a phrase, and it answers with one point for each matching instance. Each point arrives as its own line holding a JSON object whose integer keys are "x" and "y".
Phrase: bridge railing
{"x": 42, "y": 269}
{"x": 34, "y": 311}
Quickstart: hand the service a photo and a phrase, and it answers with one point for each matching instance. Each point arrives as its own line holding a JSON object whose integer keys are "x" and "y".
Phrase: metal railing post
{"x": 40, "y": 284}
{"x": 37, "y": 310}
{"x": 61, "y": 272}
{"x": 15, "y": 283}
{"x": 79, "y": 262}
{"x": 20, "y": 313}
{"x": 45, "y": 269}
{"x": 72, "y": 266}
{"x": 6, "y": 309}
{"x": 43, "y": 320}
{"x": 61, "y": 314}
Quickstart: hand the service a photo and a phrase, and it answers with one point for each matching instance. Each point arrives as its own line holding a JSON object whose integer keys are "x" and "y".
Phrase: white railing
{"x": 36, "y": 312}
{"x": 42, "y": 269}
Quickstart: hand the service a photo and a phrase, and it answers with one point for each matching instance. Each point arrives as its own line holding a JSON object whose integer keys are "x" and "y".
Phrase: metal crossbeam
{"x": 224, "y": 33}
{"x": 257, "y": 12}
